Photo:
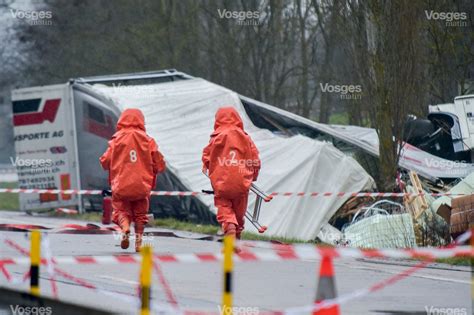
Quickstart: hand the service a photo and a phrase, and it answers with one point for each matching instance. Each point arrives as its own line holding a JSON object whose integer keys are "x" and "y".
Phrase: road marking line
{"x": 413, "y": 276}
{"x": 135, "y": 283}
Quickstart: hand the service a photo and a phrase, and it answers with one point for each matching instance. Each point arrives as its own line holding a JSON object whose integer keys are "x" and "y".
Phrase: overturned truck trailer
{"x": 179, "y": 113}
{"x": 59, "y": 132}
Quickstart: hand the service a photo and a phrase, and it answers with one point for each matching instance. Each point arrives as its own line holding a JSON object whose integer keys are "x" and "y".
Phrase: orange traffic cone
{"x": 326, "y": 287}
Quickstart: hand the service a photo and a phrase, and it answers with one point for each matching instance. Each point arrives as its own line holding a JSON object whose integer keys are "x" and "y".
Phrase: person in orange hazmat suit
{"x": 232, "y": 160}
{"x": 133, "y": 161}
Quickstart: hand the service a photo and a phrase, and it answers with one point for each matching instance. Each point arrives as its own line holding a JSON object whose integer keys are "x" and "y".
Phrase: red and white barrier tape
{"x": 359, "y": 194}
{"x": 286, "y": 253}
{"x": 171, "y": 298}
{"x": 342, "y": 299}
{"x": 12, "y": 279}
{"x": 53, "y": 270}
{"x": 46, "y": 248}
{"x": 278, "y": 253}
{"x": 196, "y": 193}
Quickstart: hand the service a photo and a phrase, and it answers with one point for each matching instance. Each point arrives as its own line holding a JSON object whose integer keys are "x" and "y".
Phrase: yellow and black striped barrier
{"x": 228, "y": 266}
{"x": 472, "y": 264}
{"x": 35, "y": 261}
{"x": 145, "y": 279}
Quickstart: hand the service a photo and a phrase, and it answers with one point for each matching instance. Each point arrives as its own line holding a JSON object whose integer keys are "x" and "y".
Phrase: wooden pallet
{"x": 416, "y": 204}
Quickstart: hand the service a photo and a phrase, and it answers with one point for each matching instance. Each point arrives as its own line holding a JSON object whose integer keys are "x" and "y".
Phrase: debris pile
{"x": 416, "y": 220}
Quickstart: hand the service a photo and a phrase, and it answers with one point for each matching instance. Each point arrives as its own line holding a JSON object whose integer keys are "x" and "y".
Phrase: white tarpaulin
{"x": 180, "y": 116}
{"x": 412, "y": 158}
{"x": 465, "y": 187}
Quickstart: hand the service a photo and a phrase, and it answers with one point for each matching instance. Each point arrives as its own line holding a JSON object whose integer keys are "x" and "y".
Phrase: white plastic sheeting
{"x": 465, "y": 187}
{"x": 412, "y": 158}
{"x": 376, "y": 227}
{"x": 382, "y": 231}
{"x": 180, "y": 116}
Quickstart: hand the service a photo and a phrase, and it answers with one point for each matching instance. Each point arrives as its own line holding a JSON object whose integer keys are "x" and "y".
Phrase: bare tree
{"x": 451, "y": 54}
{"x": 400, "y": 59}
{"x": 393, "y": 74}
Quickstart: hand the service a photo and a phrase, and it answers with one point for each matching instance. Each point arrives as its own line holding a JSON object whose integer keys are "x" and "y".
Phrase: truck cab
{"x": 457, "y": 120}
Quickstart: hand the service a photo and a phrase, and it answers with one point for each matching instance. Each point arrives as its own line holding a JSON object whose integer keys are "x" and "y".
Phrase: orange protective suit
{"x": 233, "y": 163}
{"x": 133, "y": 162}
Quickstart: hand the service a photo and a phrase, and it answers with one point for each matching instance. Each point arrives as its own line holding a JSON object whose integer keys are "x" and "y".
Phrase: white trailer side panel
{"x": 44, "y": 145}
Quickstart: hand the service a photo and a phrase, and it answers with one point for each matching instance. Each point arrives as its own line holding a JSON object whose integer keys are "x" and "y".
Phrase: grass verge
{"x": 9, "y": 201}
{"x": 174, "y": 224}
{"x": 171, "y": 223}
{"x": 88, "y": 216}
{"x": 456, "y": 261}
